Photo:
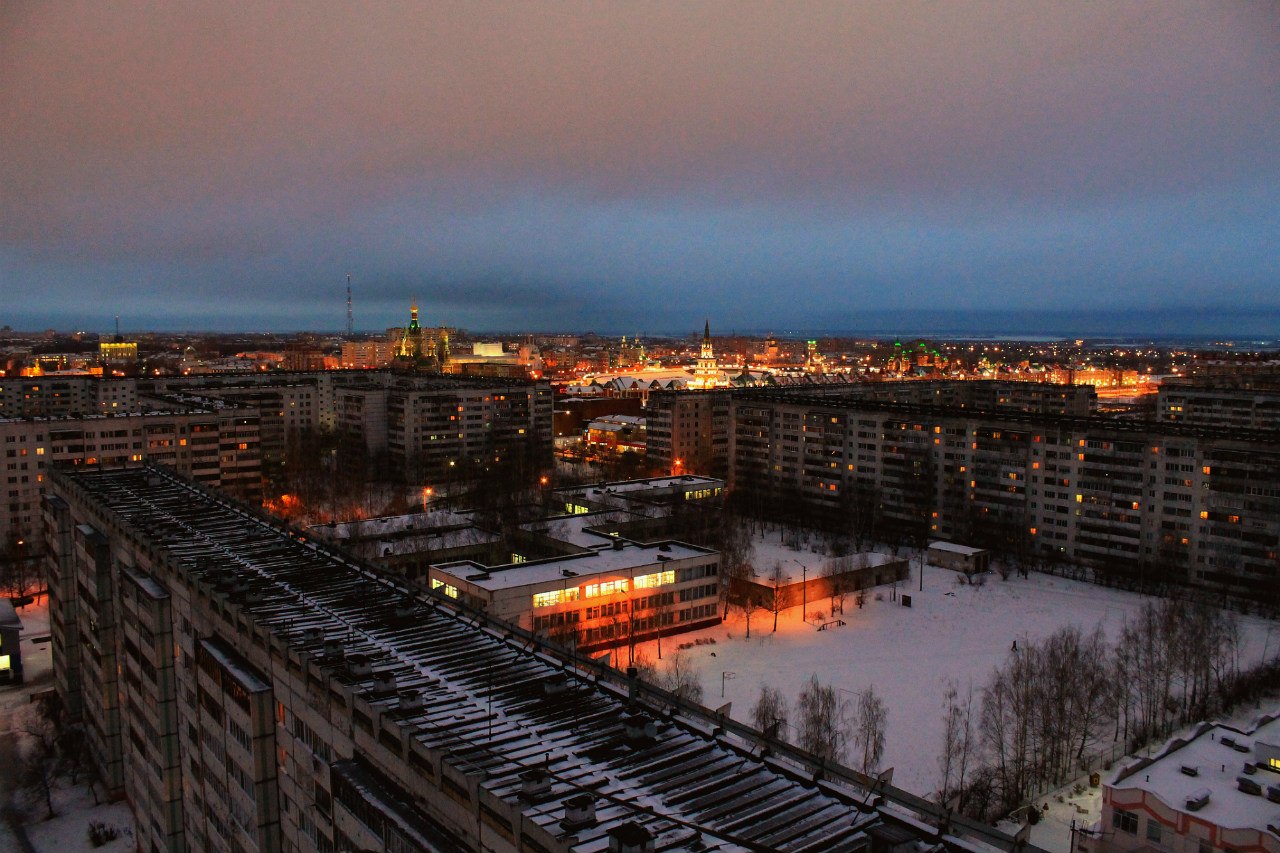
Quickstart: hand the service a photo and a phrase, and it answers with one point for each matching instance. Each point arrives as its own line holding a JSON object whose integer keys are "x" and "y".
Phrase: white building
{"x": 1216, "y": 792}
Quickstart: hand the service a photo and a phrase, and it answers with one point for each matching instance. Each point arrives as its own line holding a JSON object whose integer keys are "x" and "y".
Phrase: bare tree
{"x": 777, "y": 578}
{"x": 38, "y": 755}
{"x": 770, "y": 712}
{"x": 823, "y": 721}
{"x": 681, "y": 678}
{"x": 868, "y": 737}
{"x": 736, "y": 552}
{"x": 957, "y": 743}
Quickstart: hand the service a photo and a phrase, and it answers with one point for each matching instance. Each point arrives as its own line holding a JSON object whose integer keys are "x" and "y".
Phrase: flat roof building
{"x": 1216, "y": 790}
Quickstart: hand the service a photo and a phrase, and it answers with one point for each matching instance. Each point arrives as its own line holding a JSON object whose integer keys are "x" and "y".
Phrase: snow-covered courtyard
{"x": 951, "y": 632}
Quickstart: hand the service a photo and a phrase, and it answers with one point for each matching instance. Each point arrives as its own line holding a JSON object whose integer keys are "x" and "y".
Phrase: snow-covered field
{"x": 951, "y": 632}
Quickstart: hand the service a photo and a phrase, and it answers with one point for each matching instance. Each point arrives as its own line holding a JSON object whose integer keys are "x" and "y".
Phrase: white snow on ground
{"x": 951, "y": 632}
{"x": 68, "y": 831}
{"x": 73, "y": 804}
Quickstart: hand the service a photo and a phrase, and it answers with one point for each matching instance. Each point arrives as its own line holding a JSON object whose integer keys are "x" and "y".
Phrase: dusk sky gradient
{"x": 637, "y": 167}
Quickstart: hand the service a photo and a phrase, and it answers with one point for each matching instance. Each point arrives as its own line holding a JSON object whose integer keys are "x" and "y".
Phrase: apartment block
{"x": 1246, "y": 401}
{"x": 270, "y": 694}
{"x": 214, "y": 446}
{"x": 688, "y": 431}
{"x": 1153, "y": 501}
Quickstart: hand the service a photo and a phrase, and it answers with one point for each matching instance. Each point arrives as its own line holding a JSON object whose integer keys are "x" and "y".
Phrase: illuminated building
{"x": 706, "y": 372}
{"x": 613, "y": 592}
{"x": 689, "y": 428}
{"x": 218, "y": 447}
{"x": 411, "y": 342}
{"x": 118, "y": 352}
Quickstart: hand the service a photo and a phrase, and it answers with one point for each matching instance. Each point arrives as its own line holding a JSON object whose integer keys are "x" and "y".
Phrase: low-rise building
{"x": 958, "y": 558}
{"x": 619, "y": 591}
{"x": 1217, "y": 791}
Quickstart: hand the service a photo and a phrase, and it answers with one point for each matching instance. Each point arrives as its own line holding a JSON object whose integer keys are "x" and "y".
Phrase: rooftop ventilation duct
{"x": 556, "y": 685}
{"x": 411, "y": 700}
{"x": 638, "y": 728}
{"x": 360, "y": 666}
{"x": 1198, "y": 799}
{"x": 384, "y": 682}
{"x": 535, "y": 784}
{"x": 630, "y": 838}
{"x": 1249, "y": 786}
{"x": 579, "y": 812}
{"x": 405, "y": 608}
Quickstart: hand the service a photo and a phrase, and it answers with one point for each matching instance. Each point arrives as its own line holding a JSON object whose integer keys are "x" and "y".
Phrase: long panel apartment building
{"x": 215, "y": 446}
{"x": 247, "y": 689}
{"x": 1182, "y": 503}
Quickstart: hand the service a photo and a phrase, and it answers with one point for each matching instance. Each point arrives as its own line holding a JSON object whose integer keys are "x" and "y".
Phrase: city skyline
{"x": 559, "y": 168}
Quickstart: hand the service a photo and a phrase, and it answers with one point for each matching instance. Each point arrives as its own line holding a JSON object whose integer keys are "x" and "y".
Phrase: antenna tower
{"x": 350, "y": 317}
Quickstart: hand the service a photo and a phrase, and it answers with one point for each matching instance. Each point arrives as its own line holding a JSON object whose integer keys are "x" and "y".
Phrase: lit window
{"x": 555, "y": 596}
{"x": 451, "y": 591}
{"x": 655, "y": 579}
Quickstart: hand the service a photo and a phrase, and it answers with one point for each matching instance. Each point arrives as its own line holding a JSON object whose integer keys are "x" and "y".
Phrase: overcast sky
{"x": 637, "y": 167}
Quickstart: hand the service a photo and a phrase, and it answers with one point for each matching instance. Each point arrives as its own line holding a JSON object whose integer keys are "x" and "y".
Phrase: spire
{"x": 706, "y": 332}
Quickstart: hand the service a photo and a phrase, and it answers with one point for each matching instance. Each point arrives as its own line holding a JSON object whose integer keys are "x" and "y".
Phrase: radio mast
{"x": 350, "y": 317}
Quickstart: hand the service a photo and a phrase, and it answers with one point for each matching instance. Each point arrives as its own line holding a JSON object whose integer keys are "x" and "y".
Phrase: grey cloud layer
{"x": 473, "y": 143}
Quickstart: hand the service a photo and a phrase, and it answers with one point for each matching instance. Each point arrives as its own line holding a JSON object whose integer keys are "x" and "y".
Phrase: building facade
{"x": 1153, "y": 501}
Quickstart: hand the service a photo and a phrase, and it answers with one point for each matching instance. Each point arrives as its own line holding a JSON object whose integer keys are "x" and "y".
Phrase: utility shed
{"x": 959, "y": 558}
{"x": 10, "y": 651}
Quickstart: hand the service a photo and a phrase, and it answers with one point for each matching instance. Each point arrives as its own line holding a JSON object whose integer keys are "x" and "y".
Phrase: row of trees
{"x": 1031, "y": 725}
{"x": 831, "y": 727}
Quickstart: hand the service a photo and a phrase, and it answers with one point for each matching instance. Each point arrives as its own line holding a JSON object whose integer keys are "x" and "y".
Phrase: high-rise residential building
{"x": 1147, "y": 502}
{"x": 248, "y": 689}
{"x": 215, "y": 446}
{"x": 688, "y": 431}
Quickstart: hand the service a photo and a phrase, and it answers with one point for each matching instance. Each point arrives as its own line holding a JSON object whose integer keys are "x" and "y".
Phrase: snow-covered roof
{"x": 628, "y": 558}
{"x": 573, "y": 528}
{"x": 953, "y": 548}
{"x": 436, "y": 519}
{"x": 1218, "y": 754}
{"x": 8, "y": 616}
